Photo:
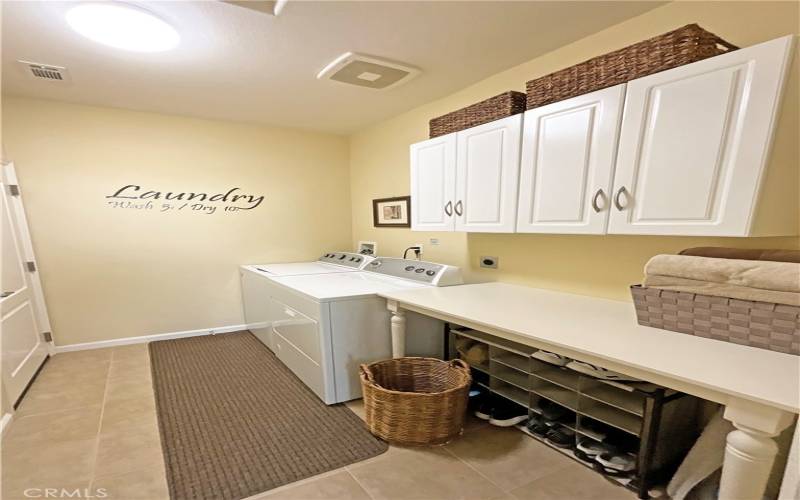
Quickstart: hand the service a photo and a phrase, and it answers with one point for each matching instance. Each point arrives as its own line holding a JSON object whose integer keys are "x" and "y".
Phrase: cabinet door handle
{"x": 598, "y": 194}
{"x": 459, "y": 208}
{"x": 448, "y": 209}
{"x": 617, "y": 196}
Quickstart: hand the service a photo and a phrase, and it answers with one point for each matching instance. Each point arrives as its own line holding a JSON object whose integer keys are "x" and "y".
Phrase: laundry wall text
{"x": 133, "y": 197}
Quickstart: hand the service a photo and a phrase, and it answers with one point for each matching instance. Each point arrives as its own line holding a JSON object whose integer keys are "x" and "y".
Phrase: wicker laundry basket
{"x": 494, "y": 108}
{"x": 684, "y": 45}
{"x": 415, "y": 401}
{"x": 765, "y": 325}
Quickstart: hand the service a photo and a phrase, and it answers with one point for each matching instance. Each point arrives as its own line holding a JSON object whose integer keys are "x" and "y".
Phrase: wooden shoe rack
{"x": 657, "y": 425}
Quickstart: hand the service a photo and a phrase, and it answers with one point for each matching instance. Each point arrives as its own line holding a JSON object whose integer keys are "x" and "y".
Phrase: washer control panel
{"x": 347, "y": 259}
{"x": 416, "y": 270}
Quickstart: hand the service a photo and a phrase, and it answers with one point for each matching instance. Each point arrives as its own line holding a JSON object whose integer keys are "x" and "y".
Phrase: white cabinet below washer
{"x": 567, "y": 168}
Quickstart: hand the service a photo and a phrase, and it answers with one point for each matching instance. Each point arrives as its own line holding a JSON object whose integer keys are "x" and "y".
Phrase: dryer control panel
{"x": 347, "y": 259}
{"x": 417, "y": 270}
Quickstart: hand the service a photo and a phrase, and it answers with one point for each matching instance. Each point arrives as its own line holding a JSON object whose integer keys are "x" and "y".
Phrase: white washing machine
{"x": 325, "y": 326}
{"x": 257, "y": 285}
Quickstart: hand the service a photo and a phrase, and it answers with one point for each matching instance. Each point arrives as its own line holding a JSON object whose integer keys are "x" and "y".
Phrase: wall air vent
{"x": 45, "y": 71}
{"x": 367, "y": 71}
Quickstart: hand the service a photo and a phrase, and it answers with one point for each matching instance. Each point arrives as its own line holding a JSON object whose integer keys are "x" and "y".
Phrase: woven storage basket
{"x": 757, "y": 324}
{"x": 685, "y": 45}
{"x": 415, "y": 401}
{"x": 497, "y": 107}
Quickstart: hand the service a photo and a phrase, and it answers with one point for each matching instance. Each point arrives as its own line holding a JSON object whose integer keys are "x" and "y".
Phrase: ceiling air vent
{"x": 45, "y": 71}
{"x": 367, "y": 71}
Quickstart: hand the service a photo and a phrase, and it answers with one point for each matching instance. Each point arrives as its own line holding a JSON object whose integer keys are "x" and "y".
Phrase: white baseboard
{"x": 5, "y": 421}
{"x": 147, "y": 338}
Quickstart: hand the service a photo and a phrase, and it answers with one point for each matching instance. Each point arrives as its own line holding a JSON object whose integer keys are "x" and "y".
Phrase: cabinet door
{"x": 694, "y": 144}
{"x": 433, "y": 173}
{"x": 487, "y": 176}
{"x": 568, "y": 153}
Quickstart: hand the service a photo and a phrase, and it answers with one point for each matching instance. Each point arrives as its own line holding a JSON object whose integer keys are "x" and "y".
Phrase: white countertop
{"x": 607, "y": 329}
{"x": 344, "y": 286}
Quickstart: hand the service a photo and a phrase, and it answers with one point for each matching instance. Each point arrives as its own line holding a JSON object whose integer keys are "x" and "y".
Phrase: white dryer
{"x": 325, "y": 326}
{"x": 257, "y": 285}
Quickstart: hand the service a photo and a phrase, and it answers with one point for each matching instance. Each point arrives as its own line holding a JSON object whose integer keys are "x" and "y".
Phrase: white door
{"x": 694, "y": 144}
{"x": 23, "y": 348}
{"x": 568, "y": 154}
{"x": 487, "y": 176}
{"x": 433, "y": 173}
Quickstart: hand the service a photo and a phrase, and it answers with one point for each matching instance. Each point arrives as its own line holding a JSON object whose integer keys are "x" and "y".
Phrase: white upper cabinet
{"x": 680, "y": 152}
{"x": 487, "y": 176}
{"x": 467, "y": 181}
{"x": 694, "y": 144}
{"x": 568, "y": 153}
{"x": 433, "y": 174}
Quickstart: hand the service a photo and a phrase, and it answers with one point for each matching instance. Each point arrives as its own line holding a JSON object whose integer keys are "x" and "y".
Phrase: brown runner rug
{"x": 234, "y": 421}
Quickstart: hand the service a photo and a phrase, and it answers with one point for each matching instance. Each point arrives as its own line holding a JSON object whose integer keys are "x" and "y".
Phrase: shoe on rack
{"x": 595, "y": 429}
{"x": 539, "y": 426}
{"x": 484, "y": 409}
{"x": 592, "y": 448}
{"x": 599, "y": 372}
{"x": 552, "y": 411}
{"x": 619, "y": 462}
{"x": 561, "y": 437}
{"x": 476, "y": 397}
{"x": 508, "y": 415}
{"x": 551, "y": 357}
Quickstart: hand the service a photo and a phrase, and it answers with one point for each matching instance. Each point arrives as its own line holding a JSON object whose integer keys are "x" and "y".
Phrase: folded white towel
{"x": 760, "y": 274}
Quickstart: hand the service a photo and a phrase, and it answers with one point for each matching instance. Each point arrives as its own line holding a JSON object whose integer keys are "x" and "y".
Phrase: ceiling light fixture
{"x": 123, "y": 27}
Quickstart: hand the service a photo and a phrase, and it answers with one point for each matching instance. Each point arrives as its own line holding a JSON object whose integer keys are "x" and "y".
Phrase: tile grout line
{"x": 481, "y": 474}
{"x": 365, "y": 490}
{"x": 100, "y": 424}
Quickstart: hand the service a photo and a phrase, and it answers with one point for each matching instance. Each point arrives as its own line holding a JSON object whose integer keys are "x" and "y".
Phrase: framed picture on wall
{"x": 392, "y": 212}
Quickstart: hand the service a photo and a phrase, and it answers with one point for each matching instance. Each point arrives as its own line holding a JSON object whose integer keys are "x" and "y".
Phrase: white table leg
{"x": 750, "y": 450}
{"x": 790, "y": 487}
{"x": 398, "y": 330}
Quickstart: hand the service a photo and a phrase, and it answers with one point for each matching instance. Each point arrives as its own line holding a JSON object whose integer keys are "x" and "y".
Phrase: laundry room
{"x": 400, "y": 250}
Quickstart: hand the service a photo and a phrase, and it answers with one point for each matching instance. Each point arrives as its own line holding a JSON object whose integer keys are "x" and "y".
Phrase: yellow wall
{"x": 591, "y": 265}
{"x": 111, "y": 273}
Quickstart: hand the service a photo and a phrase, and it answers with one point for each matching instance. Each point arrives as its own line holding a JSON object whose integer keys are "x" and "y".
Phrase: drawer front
{"x": 297, "y": 301}
{"x": 306, "y": 369}
{"x": 297, "y": 328}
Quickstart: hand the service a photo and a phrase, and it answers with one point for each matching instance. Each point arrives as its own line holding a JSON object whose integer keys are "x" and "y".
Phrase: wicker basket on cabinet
{"x": 685, "y": 45}
{"x": 415, "y": 401}
{"x": 494, "y": 108}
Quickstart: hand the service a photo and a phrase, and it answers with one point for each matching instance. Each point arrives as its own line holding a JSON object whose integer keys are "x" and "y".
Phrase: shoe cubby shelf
{"x": 652, "y": 423}
{"x": 628, "y": 482}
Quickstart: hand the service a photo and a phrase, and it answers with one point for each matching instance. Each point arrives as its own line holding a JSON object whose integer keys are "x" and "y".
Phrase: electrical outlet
{"x": 489, "y": 261}
{"x": 434, "y": 241}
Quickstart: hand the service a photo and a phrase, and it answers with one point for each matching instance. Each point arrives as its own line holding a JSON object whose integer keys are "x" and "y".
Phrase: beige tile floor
{"x": 88, "y": 422}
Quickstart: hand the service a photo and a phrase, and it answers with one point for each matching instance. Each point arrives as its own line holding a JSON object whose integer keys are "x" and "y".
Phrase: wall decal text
{"x": 132, "y": 196}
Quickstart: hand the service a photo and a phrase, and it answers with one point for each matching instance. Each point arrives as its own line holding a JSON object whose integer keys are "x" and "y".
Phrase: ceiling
{"x": 241, "y": 64}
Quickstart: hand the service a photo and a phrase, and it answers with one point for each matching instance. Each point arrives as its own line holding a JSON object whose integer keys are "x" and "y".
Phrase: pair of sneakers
{"x": 607, "y": 458}
{"x": 551, "y": 431}
{"x": 500, "y": 413}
